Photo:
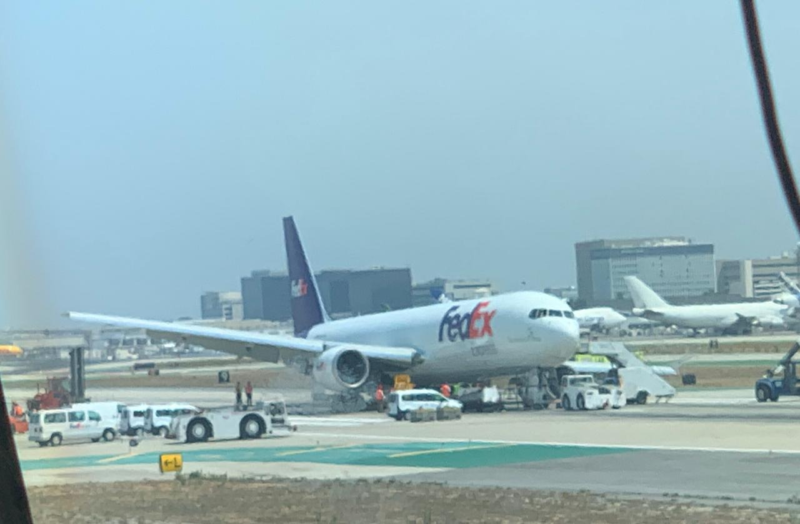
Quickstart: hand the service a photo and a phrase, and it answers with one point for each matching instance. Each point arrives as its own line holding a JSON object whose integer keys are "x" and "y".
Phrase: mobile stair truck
{"x": 638, "y": 380}
{"x": 265, "y": 418}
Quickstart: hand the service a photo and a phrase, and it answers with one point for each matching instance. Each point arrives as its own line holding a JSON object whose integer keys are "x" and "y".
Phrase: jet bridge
{"x": 638, "y": 380}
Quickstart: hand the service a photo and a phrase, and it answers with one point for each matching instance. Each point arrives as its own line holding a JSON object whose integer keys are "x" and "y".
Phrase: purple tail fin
{"x": 307, "y": 308}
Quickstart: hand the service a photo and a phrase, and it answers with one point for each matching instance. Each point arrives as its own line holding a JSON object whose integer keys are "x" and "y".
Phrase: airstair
{"x": 637, "y": 379}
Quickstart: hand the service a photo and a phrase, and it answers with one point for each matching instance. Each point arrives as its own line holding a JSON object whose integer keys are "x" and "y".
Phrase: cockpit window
{"x": 537, "y": 313}
{"x": 540, "y": 313}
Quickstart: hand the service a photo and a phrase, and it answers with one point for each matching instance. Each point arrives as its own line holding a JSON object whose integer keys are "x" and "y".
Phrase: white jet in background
{"x": 599, "y": 318}
{"x": 740, "y": 316}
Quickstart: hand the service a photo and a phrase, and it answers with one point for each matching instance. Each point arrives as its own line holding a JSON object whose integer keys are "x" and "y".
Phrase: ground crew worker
{"x": 248, "y": 389}
{"x": 445, "y": 390}
{"x": 456, "y": 390}
{"x": 238, "y": 394}
{"x": 16, "y": 410}
{"x": 379, "y": 398}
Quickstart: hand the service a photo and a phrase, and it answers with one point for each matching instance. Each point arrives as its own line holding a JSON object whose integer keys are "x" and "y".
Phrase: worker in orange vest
{"x": 380, "y": 398}
{"x": 16, "y": 410}
{"x": 445, "y": 390}
{"x": 248, "y": 390}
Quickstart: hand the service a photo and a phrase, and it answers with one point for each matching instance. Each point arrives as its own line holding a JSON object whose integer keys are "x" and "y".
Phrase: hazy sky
{"x": 149, "y": 149}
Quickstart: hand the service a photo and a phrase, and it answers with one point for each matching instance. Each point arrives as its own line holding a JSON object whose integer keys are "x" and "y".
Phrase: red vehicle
{"x": 54, "y": 396}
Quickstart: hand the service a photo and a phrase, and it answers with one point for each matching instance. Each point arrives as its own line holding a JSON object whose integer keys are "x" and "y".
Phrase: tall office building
{"x": 673, "y": 266}
{"x": 344, "y": 293}
{"x": 210, "y": 306}
{"x": 221, "y": 305}
{"x": 266, "y": 296}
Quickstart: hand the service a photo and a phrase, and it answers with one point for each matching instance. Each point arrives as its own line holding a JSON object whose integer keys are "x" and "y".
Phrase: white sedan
{"x": 404, "y": 401}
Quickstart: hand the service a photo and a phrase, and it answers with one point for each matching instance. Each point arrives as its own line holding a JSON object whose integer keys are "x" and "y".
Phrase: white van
{"x": 157, "y": 419}
{"x": 401, "y": 402}
{"x": 110, "y": 412}
{"x": 53, "y": 426}
{"x": 131, "y": 420}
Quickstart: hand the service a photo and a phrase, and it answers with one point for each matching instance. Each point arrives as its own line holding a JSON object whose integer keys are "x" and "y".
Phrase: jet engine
{"x": 341, "y": 369}
{"x": 771, "y": 322}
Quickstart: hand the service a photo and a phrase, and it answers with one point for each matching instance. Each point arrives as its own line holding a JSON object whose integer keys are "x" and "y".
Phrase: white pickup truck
{"x": 582, "y": 392}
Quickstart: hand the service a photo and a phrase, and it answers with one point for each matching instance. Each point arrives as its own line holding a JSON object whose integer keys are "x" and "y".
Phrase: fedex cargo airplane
{"x": 510, "y": 334}
{"x": 741, "y": 316}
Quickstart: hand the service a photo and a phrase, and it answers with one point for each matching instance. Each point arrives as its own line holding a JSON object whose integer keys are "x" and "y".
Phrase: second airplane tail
{"x": 307, "y": 307}
{"x": 789, "y": 284}
{"x": 643, "y": 297}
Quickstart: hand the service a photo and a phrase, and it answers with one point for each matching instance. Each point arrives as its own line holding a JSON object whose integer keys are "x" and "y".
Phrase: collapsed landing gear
{"x": 538, "y": 388}
{"x": 348, "y": 402}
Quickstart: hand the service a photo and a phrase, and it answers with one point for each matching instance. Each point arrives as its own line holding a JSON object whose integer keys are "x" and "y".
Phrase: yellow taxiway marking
{"x": 313, "y": 450}
{"x": 447, "y": 450}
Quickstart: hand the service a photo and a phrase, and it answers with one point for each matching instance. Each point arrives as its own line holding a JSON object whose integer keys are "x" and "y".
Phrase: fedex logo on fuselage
{"x": 471, "y": 325}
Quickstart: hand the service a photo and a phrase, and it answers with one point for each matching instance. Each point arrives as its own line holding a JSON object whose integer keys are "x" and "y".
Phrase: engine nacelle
{"x": 341, "y": 368}
{"x": 771, "y": 322}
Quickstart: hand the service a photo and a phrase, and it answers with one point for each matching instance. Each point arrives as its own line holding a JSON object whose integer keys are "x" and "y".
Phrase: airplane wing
{"x": 588, "y": 367}
{"x": 258, "y": 346}
{"x": 664, "y": 371}
{"x": 584, "y": 367}
{"x": 745, "y": 320}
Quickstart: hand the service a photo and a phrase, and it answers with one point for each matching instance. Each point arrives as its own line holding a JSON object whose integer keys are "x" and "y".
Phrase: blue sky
{"x": 149, "y": 149}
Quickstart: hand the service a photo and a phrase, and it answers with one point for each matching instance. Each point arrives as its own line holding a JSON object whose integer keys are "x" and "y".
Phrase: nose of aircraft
{"x": 565, "y": 339}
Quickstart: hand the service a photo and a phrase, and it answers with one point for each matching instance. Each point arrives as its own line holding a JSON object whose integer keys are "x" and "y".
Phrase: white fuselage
{"x": 789, "y": 299}
{"x": 599, "y": 318}
{"x": 717, "y": 316}
{"x": 471, "y": 339}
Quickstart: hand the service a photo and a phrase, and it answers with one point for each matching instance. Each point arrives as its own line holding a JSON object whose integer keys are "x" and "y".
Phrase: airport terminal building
{"x": 673, "y": 266}
{"x": 266, "y": 294}
{"x": 756, "y": 278}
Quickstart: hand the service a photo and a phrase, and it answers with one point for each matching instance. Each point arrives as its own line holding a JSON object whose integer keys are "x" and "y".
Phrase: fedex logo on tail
{"x": 471, "y": 325}
{"x": 299, "y": 288}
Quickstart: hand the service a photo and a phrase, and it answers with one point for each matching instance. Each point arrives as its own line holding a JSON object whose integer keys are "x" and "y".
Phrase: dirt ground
{"x": 261, "y": 379}
{"x": 700, "y": 345}
{"x": 202, "y": 500}
{"x": 721, "y": 376}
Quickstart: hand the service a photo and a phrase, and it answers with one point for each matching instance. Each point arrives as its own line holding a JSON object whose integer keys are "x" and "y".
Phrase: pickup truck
{"x": 581, "y": 392}
{"x": 480, "y": 399}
